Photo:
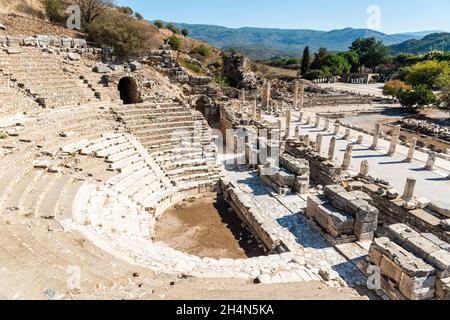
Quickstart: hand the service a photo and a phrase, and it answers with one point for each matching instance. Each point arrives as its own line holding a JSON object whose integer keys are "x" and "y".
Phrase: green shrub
{"x": 430, "y": 73}
{"x": 138, "y": 16}
{"x": 314, "y": 74}
{"x": 417, "y": 98}
{"x": 125, "y": 10}
{"x": 203, "y": 51}
{"x": 174, "y": 43}
{"x": 54, "y": 10}
{"x": 129, "y": 37}
{"x": 218, "y": 64}
{"x": 172, "y": 28}
{"x": 222, "y": 81}
{"x": 193, "y": 67}
{"x": 185, "y": 32}
{"x": 392, "y": 88}
{"x": 159, "y": 24}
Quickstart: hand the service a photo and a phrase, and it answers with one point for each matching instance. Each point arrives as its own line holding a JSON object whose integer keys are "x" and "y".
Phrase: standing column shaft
{"x": 412, "y": 149}
{"x": 376, "y": 136}
{"x": 319, "y": 140}
{"x": 332, "y": 149}
{"x": 348, "y": 157}
{"x": 394, "y": 140}
{"x": 409, "y": 188}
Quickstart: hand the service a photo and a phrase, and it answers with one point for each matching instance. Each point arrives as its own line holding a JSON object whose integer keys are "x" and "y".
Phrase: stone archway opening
{"x": 204, "y": 105}
{"x": 128, "y": 90}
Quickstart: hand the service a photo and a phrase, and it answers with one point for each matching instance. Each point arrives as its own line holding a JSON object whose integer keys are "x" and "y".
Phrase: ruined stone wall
{"x": 322, "y": 171}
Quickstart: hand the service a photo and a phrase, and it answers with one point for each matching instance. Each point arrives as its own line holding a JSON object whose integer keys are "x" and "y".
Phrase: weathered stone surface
{"x": 333, "y": 191}
{"x": 135, "y": 66}
{"x": 415, "y": 288}
{"x": 102, "y": 69}
{"x": 440, "y": 207}
{"x": 73, "y": 56}
{"x": 445, "y": 224}
{"x": 313, "y": 204}
{"x": 443, "y": 289}
{"x": 14, "y": 51}
{"x": 441, "y": 261}
{"x": 400, "y": 233}
{"x": 409, "y": 264}
{"x": 435, "y": 240}
{"x": 420, "y": 247}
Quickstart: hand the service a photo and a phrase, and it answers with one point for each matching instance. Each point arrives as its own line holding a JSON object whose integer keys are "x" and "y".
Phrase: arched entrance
{"x": 128, "y": 90}
{"x": 205, "y": 105}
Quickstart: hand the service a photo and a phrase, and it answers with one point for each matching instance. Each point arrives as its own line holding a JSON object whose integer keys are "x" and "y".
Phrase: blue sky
{"x": 396, "y": 15}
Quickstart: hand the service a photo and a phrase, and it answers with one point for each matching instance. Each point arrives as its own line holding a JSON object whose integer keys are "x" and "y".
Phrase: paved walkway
{"x": 372, "y": 89}
{"x": 433, "y": 185}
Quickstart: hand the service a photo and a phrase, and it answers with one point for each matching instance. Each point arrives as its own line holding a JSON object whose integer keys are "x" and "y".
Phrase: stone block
{"x": 425, "y": 217}
{"x": 406, "y": 261}
{"x": 390, "y": 269}
{"x": 415, "y": 288}
{"x": 365, "y": 227}
{"x": 362, "y": 196}
{"x": 313, "y": 203}
{"x": 73, "y": 56}
{"x": 367, "y": 213}
{"x": 333, "y": 191}
{"x": 441, "y": 244}
{"x": 375, "y": 255}
{"x": 399, "y": 233}
{"x": 441, "y": 261}
{"x": 440, "y": 207}
{"x": 420, "y": 247}
{"x": 445, "y": 224}
{"x": 342, "y": 200}
{"x": 443, "y": 289}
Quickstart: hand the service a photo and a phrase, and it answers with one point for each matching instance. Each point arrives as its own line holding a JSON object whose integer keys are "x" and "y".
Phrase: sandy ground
{"x": 206, "y": 228}
{"x": 207, "y": 289}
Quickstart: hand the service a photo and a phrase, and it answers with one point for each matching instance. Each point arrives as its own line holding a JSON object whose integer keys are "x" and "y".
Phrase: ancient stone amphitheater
{"x": 92, "y": 155}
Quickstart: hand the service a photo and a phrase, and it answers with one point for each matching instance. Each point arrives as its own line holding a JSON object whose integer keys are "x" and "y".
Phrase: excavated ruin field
{"x": 206, "y": 227}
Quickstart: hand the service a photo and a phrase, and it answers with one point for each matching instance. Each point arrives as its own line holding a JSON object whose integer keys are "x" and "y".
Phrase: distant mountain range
{"x": 431, "y": 42}
{"x": 262, "y": 43}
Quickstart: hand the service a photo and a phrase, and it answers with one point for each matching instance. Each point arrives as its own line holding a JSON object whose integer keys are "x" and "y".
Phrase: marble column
{"x": 337, "y": 127}
{"x": 288, "y": 123}
{"x": 348, "y": 157}
{"x": 364, "y": 168}
{"x": 431, "y": 161}
{"x": 331, "y": 149}
{"x": 394, "y": 140}
{"x": 412, "y": 149}
{"x": 376, "y": 137}
{"x": 319, "y": 140}
{"x": 409, "y": 188}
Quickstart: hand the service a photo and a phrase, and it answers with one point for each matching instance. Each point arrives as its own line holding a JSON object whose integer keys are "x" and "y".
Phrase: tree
{"x": 92, "y": 9}
{"x": 417, "y": 98}
{"x": 371, "y": 52}
{"x": 335, "y": 65}
{"x": 314, "y": 74}
{"x": 185, "y": 32}
{"x": 353, "y": 59}
{"x": 318, "y": 58}
{"x": 174, "y": 42}
{"x": 54, "y": 10}
{"x": 306, "y": 61}
{"x": 433, "y": 74}
{"x": 392, "y": 88}
{"x": 138, "y": 16}
{"x": 172, "y": 28}
{"x": 445, "y": 97}
{"x": 203, "y": 51}
{"x": 129, "y": 37}
{"x": 159, "y": 24}
{"x": 125, "y": 10}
